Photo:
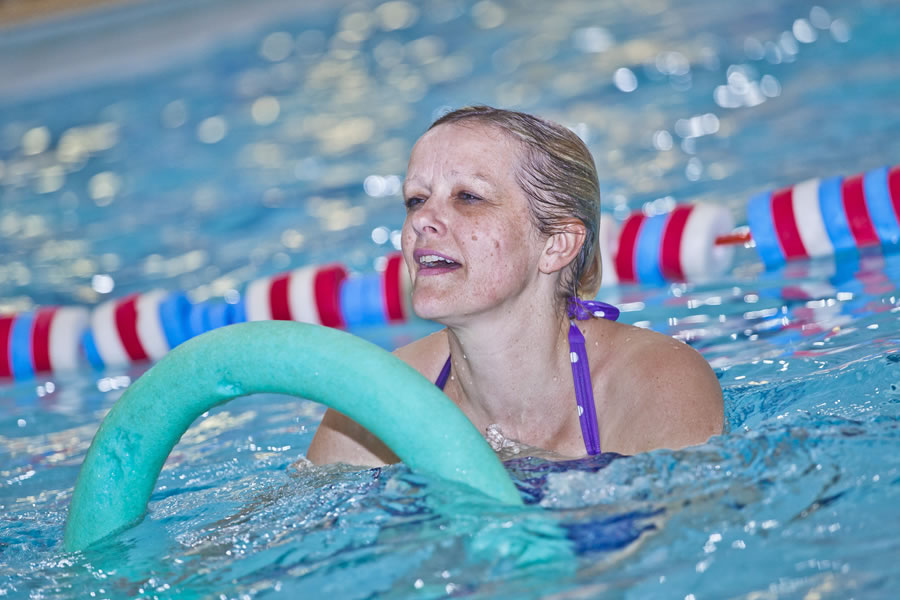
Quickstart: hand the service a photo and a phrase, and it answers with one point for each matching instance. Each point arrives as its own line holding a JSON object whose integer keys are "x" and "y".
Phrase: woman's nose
{"x": 429, "y": 218}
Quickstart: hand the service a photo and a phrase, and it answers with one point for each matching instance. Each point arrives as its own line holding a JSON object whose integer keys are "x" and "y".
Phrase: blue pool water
{"x": 198, "y": 148}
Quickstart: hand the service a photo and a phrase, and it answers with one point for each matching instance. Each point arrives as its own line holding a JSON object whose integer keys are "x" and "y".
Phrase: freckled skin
{"x": 456, "y": 211}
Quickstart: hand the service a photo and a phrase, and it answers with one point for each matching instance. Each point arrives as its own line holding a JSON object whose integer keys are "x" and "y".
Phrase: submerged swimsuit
{"x": 581, "y": 371}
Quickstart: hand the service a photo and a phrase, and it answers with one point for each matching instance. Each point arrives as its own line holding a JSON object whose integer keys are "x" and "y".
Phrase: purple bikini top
{"x": 584, "y": 391}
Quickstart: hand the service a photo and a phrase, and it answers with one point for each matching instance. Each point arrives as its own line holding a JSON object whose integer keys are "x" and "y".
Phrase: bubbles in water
{"x": 36, "y": 141}
{"x": 380, "y": 235}
{"x": 212, "y": 130}
{"x": 488, "y": 15}
{"x": 102, "y": 284}
{"x": 592, "y": 39}
{"x": 804, "y": 32}
{"x": 277, "y": 46}
{"x": 265, "y": 110}
{"x": 625, "y": 79}
{"x": 396, "y": 15}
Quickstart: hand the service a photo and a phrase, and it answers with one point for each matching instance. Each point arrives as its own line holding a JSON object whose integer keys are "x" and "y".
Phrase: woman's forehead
{"x": 464, "y": 149}
{"x": 467, "y": 132}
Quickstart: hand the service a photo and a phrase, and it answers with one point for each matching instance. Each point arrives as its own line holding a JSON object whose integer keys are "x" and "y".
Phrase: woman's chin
{"x": 429, "y": 311}
{"x": 433, "y": 307}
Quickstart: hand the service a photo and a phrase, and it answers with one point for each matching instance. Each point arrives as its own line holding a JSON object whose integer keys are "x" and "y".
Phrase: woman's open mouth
{"x": 434, "y": 263}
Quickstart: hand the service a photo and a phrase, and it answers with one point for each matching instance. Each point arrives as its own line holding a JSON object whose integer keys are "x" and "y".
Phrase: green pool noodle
{"x": 374, "y": 388}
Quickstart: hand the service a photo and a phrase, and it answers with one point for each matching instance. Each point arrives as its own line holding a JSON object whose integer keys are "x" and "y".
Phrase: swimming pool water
{"x": 200, "y": 162}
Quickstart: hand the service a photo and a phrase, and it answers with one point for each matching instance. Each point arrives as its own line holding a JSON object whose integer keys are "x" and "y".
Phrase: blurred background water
{"x": 197, "y": 146}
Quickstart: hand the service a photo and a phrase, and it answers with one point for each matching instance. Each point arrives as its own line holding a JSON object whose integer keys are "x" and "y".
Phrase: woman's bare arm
{"x": 341, "y": 439}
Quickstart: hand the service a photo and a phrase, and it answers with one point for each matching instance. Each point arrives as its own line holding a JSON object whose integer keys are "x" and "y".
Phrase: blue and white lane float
{"x": 332, "y": 367}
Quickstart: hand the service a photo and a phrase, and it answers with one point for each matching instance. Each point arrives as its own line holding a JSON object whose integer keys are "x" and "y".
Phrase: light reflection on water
{"x": 285, "y": 148}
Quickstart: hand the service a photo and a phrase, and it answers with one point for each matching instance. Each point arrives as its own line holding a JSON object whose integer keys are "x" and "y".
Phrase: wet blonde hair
{"x": 558, "y": 175}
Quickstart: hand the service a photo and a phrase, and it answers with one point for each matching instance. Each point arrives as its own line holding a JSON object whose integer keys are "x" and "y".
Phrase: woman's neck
{"x": 509, "y": 367}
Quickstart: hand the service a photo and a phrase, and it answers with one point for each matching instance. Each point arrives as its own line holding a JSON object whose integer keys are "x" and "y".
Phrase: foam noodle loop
{"x": 340, "y": 370}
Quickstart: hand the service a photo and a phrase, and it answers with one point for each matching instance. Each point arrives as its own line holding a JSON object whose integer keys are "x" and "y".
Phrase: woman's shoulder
{"x": 636, "y": 345}
{"x": 426, "y": 355}
{"x": 661, "y": 391}
{"x": 631, "y": 338}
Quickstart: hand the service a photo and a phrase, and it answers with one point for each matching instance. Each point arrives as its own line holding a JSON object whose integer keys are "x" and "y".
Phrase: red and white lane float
{"x": 136, "y": 328}
{"x": 41, "y": 342}
{"x": 308, "y": 294}
{"x": 812, "y": 219}
{"x": 143, "y": 327}
{"x": 679, "y": 245}
{"x": 375, "y": 298}
{"x": 823, "y": 217}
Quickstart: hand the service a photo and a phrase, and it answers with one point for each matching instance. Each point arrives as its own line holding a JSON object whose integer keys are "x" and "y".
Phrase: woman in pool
{"x": 501, "y": 241}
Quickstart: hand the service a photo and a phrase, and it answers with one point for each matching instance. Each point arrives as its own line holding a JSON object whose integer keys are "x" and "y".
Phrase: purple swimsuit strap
{"x": 585, "y": 309}
{"x": 441, "y": 381}
{"x": 581, "y": 372}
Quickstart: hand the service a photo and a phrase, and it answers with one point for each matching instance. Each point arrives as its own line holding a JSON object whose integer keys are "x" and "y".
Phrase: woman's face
{"x": 468, "y": 239}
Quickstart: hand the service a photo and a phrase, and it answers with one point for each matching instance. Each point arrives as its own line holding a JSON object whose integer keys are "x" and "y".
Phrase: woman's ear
{"x": 562, "y": 247}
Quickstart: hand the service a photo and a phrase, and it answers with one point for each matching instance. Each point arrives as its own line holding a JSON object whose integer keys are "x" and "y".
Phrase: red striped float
{"x": 676, "y": 246}
{"x": 821, "y": 217}
{"x": 396, "y": 290}
{"x": 130, "y": 330}
{"x": 308, "y": 294}
{"x": 6, "y": 323}
{"x": 49, "y": 341}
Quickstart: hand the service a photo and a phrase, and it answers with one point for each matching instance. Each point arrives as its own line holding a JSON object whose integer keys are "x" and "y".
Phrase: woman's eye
{"x": 468, "y": 197}
{"x": 413, "y": 201}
